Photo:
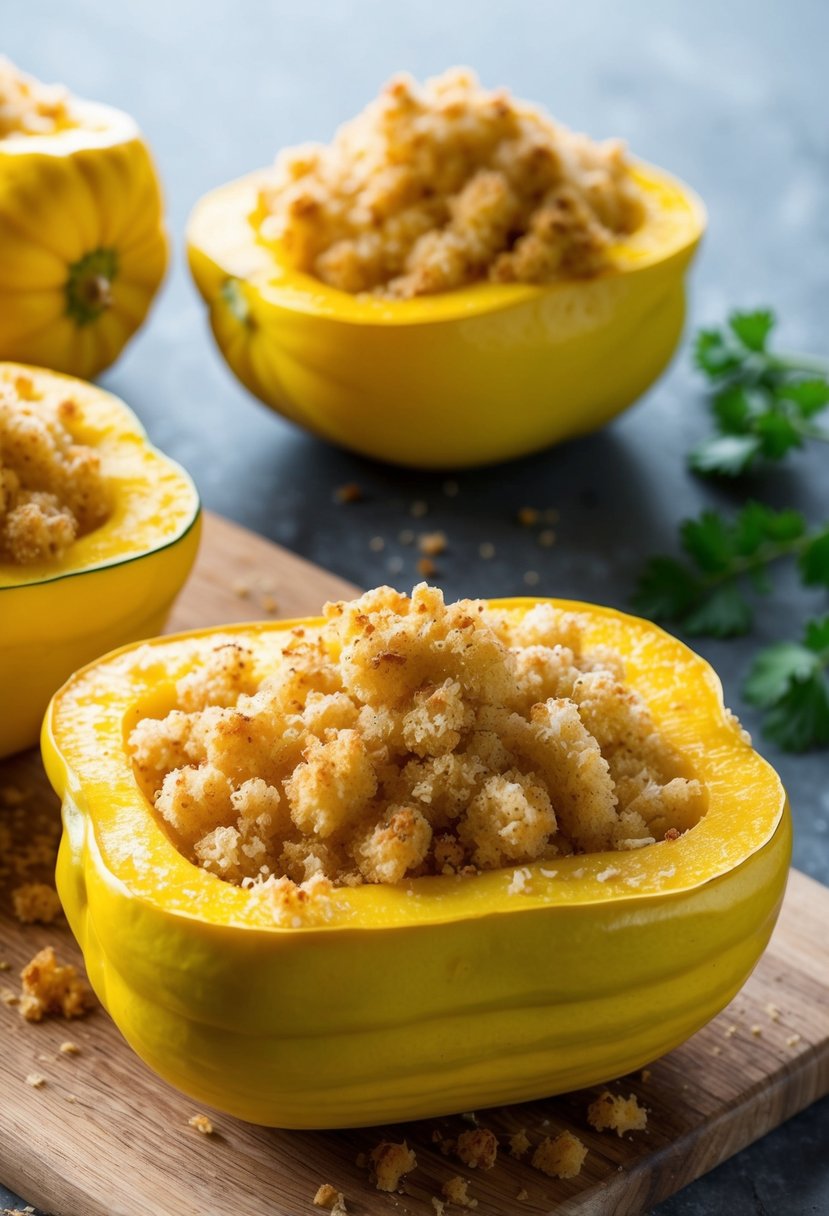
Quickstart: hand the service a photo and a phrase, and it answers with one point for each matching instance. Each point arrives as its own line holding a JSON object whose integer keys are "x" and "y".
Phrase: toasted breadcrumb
{"x": 456, "y": 1190}
{"x": 390, "y": 1163}
{"x": 773, "y": 1012}
{"x": 51, "y": 988}
{"x": 4, "y": 965}
{"x": 793, "y": 1040}
{"x": 407, "y": 737}
{"x": 201, "y": 1124}
{"x": 477, "y": 1148}
{"x": 36, "y": 1080}
{"x": 68, "y": 1048}
{"x": 519, "y": 1142}
{"x": 438, "y": 1205}
{"x": 646, "y": 1075}
{"x": 51, "y": 487}
{"x": 36, "y": 903}
{"x": 433, "y": 187}
{"x": 350, "y": 492}
{"x": 28, "y": 107}
{"x": 614, "y": 1113}
{"x": 561, "y": 1156}
{"x": 523, "y": 1195}
{"x": 432, "y": 543}
{"x": 426, "y": 568}
{"x": 757, "y": 1030}
{"x": 329, "y": 1197}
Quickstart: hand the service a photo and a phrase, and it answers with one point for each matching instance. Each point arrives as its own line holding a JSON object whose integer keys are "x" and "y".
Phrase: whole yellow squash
{"x": 466, "y": 377}
{"x": 114, "y": 584}
{"x": 82, "y": 240}
{"x": 437, "y": 995}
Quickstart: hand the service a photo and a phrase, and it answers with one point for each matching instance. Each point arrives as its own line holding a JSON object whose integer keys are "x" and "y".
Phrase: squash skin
{"x": 402, "y": 1006}
{"x": 86, "y": 197}
{"x": 467, "y": 377}
{"x": 115, "y": 585}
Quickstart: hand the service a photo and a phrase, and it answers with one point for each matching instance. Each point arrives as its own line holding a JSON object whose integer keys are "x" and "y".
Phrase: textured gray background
{"x": 732, "y": 98}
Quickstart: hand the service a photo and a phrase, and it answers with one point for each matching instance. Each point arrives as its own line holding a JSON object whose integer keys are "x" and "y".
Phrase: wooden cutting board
{"x": 104, "y": 1137}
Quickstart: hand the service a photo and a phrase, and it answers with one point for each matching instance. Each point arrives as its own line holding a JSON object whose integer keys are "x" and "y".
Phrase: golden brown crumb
{"x": 432, "y": 543}
{"x": 36, "y": 903}
{"x": 329, "y": 1197}
{"x": 438, "y": 1205}
{"x": 773, "y": 1012}
{"x": 519, "y": 1142}
{"x": 456, "y": 1190}
{"x": 201, "y": 1124}
{"x": 4, "y": 965}
{"x": 560, "y": 1157}
{"x": 51, "y": 487}
{"x": 646, "y": 1075}
{"x": 29, "y": 107}
{"x": 730, "y": 1031}
{"x": 51, "y": 988}
{"x": 404, "y": 737}
{"x": 615, "y": 1113}
{"x": 757, "y": 1030}
{"x": 523, "y": 1195}
{"x": 477, "y": 1148}
{"x": 36, "y": 1080}
{"x": 528, "y": 517}
{"x": 350, "y": 492}
{"x": 269, "y": 605}
{"x": 426, "y": 568}
{"x": 793, "y": 1040}
{"x": 390, "y": 1163}
{"x": 437, "y": 186}
{"x": 9, "y": 998}
{"x": 69, "y": 1048}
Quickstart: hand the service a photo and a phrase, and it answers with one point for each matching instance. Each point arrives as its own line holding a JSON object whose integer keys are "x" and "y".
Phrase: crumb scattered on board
{"x": 202, "y": 1124}
{"x": 36, "y": 903}
{"x": 51, "y": 988}
{"x": 612, "y": 1112}
{"x": 560, "y": 1156}
{"x": 456, "y": 1190}
{"x": 329, "y": 1197}
{"x": 390, "y": 1162}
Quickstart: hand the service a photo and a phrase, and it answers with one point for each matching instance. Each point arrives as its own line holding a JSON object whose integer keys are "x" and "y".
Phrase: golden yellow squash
{"x": 467, "y": 377}
{"x": 82, "y": 241}
{"x": 439, "y": 995}
{"x": 115, "y": 584}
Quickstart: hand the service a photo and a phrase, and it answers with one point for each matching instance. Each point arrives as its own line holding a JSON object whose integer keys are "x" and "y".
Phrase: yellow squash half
{"x": 82, "y": 242}
{"x": 463, "y": 378}
{"x": 115, "y": 584}
{"x": 438, "y": 995}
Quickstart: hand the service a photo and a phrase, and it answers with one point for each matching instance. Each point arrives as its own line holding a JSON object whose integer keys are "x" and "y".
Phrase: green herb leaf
{"x": 814, "y": 561}
{"x": 667, "y": 590}
{"x": 752, "y": 328}
{"x": 713, "y": 355}
{"x": 789, "y": 681}
{"x": 810, "y": 396}
{"x": 725, "y": 613}
{"x": 726, "y": 455}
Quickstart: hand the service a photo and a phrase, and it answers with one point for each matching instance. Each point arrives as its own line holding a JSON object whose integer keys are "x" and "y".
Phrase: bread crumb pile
{"x": 390, "y": 1162}
{"x": 51, "y": 488}
{"x": 51, "y": 988}
{"x": 434, "y": 187}
{"x": 36, "y": 903}
{"x": 615, "y": 1113}
{"x": 28, "y": 107}
{"x": 406, "y": 737}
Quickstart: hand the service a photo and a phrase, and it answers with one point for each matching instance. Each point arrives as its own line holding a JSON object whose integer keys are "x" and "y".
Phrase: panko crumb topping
{"x": 390, "y": 1162}
{"x": 29, "y": 107}
{"x": 406, "y": 737}
{"x": 329, "y": 1197}
{"x": 612, "y": 1112}
{"x": 456, "y": 1190}
{"x": 560, "y": 1156}
{"x": 477, "y": 1148}
{"x": 36, "y": 903}
{"x": 436, "y": 186}
{"x": 51, "y": 487}
{"x": 51, "y": 988}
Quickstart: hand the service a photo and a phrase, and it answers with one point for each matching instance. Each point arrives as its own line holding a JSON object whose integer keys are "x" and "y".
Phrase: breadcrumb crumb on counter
{"x": 561, "y": 1156}
{"x": 390, "y": 1162}
{"x": 329, "y": 1197}
{"x": 612, "y": 1112}
{"x": 407, "y": 737}
{"x": 456, "y": 1190}
{"x": 36, "y": 903}
{"x": 51, "y": 988}
{"x": 201, "y": 1124}
{"x": 29, "y": 107}
{"x": 51, "y": 487}
{"x": 519, "y": 1143}
{"x": 477, "y": 1148}
{"x": 436, "y": 186}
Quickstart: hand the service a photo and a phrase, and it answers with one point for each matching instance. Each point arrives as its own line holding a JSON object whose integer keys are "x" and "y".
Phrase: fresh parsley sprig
{"x": 789, "y": 681}
{"x": 764, "y": 404}
{"x": 727, "y": 558}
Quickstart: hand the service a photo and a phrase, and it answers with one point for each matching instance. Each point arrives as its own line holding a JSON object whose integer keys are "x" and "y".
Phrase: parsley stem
{"x": 763, "y": 557}
{"x": 788, "y": 361}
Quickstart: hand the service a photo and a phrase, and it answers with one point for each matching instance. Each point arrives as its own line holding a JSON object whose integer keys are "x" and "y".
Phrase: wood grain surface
{"x": 104, "y": 1137}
